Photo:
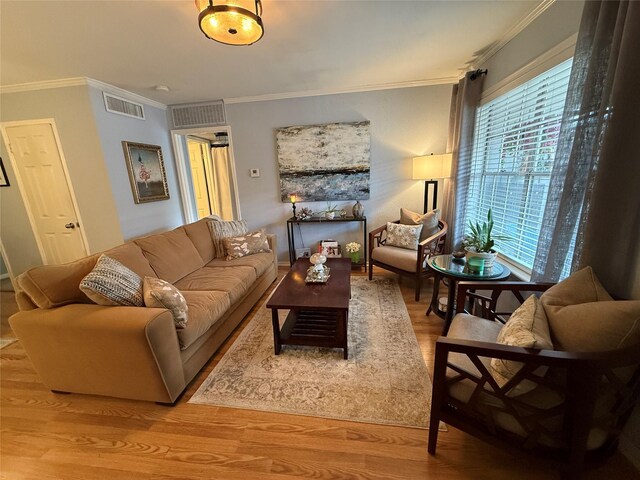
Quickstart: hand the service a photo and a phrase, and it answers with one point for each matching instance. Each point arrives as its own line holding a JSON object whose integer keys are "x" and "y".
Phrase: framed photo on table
{"x": 146, "y": 172}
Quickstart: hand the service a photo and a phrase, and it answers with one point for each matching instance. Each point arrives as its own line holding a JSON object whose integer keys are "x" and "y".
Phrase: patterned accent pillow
{"x": 222, "y": 229}
{"x": 528, "y": 328}
{"x": 428, "y": 220}
{"x": 111, "y": 283}
{"x": 159, "y": 293}
{"x": 238, "y": 247}
{"x": 403, "y": 236}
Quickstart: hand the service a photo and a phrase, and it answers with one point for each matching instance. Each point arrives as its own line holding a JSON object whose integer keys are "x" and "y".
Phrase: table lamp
{"x": 429, "y": 168}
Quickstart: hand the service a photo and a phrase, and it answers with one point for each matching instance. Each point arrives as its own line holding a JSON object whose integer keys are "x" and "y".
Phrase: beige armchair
{"x": 408, "y": 263}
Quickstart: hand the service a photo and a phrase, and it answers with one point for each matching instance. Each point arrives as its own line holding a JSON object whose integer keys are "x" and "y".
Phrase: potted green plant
{"x": 479, "y": 242}
{"x": 331, "y": 211}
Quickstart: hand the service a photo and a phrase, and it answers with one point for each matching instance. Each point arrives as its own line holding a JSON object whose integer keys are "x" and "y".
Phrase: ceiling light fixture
{"x": 233, "y": 22}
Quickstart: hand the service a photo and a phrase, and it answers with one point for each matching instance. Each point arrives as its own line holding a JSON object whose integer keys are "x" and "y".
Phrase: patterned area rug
{"x": 6, "y": 341}
{"x": 384, "y": 381}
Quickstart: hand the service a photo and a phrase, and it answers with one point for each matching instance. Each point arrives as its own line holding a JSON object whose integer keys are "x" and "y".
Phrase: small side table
{"x": 453, "y": 269}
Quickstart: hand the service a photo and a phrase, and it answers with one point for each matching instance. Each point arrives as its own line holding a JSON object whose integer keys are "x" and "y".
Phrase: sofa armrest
{"x": 128, "y": 352}
{"x": 273, "y": 245}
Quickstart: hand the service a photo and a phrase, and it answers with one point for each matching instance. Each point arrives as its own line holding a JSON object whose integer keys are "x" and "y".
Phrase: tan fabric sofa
{"x": 134, "y": 352}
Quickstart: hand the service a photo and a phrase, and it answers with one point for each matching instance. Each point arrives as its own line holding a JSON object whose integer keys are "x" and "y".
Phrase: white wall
{"x": 404, "y": 123}
{"x": 71, "y": 109}
{"x": 137, "y": 219}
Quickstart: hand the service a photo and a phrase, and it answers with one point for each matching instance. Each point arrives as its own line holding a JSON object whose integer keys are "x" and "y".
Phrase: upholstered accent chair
{"x": 564, "y": 407}
{"x": 403, "y": 261}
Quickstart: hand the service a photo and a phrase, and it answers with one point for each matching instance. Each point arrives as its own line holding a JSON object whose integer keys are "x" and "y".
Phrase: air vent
{"x": 122, "y": 106}
{"x": 198, "y": 114}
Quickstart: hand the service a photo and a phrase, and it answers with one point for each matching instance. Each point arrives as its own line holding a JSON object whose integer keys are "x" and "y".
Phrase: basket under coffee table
{"x": 319, "y": 312}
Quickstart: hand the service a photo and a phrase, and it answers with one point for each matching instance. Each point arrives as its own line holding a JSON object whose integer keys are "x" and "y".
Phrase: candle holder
{"x": 293, "y": 205}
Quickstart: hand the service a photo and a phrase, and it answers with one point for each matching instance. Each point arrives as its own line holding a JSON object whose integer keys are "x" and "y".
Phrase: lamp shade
{"x": 233, "y": 22}
{"x": 432, "y": 166}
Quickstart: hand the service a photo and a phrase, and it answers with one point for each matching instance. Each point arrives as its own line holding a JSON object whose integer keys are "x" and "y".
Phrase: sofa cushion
{"x": 171, "y": 255}
{"x": 205, "y": 309}
{"x": 222, "y": 229}
{"x": 236, "y": 281}
{"x": 200, "y": 235}
{"x": 584, "y": 318}
{"x": 396, "y": 257}
{"x": 131, "y": 256}
{"x": 52, "y": 286}
{"x": 429, "y": 221}
{"x": 111, "y": 283}
{"x": 528, "y": 328}
{"x": 260, "y": 262}
{"x": 159, "y": 293}
{"x": 244, "y": 245}
{"x": 403, "y": 236}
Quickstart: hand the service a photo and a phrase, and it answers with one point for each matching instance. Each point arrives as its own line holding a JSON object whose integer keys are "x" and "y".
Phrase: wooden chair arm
{"x": 488, "y": 303}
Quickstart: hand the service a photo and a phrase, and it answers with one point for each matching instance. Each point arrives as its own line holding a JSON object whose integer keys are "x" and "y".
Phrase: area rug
{"x": 6, "y": 341}
{"x": 384, "y": 381}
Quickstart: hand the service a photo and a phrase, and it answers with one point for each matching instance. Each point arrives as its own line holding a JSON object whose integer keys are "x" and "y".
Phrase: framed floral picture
{"x": 146, "y": 172}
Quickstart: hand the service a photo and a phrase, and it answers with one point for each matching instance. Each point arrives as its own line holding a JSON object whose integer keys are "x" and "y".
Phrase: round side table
{"x": 453, "y": 269}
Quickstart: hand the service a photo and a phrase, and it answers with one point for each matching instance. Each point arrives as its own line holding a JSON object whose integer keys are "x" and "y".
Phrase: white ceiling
{"x": 307, "y": 45}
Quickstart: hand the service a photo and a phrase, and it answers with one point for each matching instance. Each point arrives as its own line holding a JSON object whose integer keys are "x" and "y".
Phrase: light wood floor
{"x": 52, "y": 436}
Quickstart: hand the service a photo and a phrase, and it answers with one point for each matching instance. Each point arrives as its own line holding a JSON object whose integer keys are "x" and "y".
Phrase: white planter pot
{"x": 487, "y": 257}
{"x": 329, "y": 215}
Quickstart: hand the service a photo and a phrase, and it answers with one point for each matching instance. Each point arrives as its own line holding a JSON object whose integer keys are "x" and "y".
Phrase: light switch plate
{"x": 254, "y": 172}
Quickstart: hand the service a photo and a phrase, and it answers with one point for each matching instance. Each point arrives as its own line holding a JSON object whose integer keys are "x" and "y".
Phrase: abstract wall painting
{"x": 324, "y": 162}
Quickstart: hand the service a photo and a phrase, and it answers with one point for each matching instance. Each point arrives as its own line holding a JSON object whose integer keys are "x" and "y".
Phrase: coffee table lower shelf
{"x": 318, "y": 328}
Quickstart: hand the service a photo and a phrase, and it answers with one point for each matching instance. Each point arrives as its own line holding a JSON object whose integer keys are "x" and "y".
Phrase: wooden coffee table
{"x": 319, "y": 312}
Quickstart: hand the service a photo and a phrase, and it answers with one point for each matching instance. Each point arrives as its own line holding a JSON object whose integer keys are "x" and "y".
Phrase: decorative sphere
{"x": 318, "y": 259}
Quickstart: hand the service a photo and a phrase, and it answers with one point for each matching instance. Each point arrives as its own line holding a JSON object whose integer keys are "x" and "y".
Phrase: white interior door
{"x": 45, "y": 188}
{"x": 198, "y": 177}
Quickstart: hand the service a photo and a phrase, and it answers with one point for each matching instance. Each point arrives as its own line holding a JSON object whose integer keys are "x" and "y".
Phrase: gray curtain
{"x": 594, "y": 194}
{"x": 464, "y": 103}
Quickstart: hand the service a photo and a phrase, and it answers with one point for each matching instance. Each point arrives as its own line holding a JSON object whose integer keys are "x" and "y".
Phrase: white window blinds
{"x": 513, "y": 152}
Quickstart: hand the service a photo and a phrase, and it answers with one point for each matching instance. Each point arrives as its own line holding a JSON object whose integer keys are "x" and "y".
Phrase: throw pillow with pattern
{"x": 428, "y": 220}
{"x": 223, "y": 229}
{"x": 241, "y": 246}
{"x": 111, "y": 283}
{"x": 159, "y": 293}
{"x": 527, "y": 327}
{"x": 403, "y": 236}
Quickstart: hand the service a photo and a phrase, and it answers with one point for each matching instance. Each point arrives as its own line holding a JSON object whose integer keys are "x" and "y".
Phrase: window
{"x": 513, "y": 151}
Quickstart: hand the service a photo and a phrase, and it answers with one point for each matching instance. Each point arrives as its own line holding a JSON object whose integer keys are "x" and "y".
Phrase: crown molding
{"x": 512, "y": 33}
{"x": 337, "y": 91}
{"x": 43, "y": 85}
{"x": 81, "y": 81}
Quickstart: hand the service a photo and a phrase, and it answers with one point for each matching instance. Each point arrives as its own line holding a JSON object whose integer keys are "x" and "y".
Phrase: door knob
{"x": 70, "y": 225}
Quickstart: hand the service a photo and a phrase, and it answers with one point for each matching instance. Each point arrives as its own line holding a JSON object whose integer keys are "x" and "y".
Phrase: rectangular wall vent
{"x": 121, "y": 106}
{"x": 198, "y": 114}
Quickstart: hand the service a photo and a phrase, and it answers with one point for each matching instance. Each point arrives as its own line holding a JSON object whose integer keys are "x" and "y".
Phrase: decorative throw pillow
{"x": 223, "y": 229}
{"x": 428, "y": 220}
{"x": 238, "y": 247}
{"x": 111, "y": 283}
{"x": 161, "y": 294}
{"x": 528, "y": 328}
{"x": 403, "y": 236}
{"x": 584, "y": 318}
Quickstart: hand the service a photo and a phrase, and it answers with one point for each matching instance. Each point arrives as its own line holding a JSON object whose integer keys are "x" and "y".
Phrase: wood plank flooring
{"x": 81, "y": 437}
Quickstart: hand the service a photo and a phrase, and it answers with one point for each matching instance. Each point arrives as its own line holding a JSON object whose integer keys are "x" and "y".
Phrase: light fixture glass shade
{"x": 432, "y": 166}
{"x": 233, "y": 22}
